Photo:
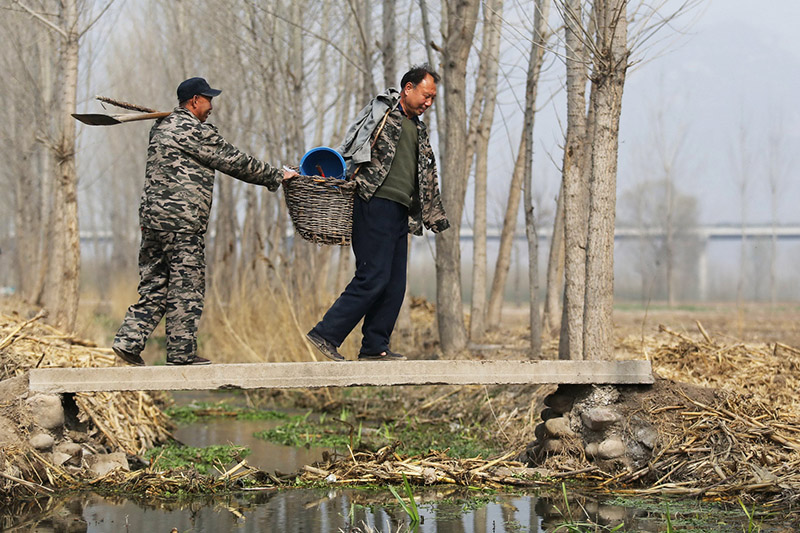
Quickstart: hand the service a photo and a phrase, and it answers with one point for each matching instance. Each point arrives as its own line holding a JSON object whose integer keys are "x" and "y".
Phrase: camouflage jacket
{"x": 182, "y": 157}
{"x": 426, "y": 208}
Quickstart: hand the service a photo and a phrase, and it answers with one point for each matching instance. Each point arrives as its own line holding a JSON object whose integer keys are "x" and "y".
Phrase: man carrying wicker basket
{"x": 182, "y": 158}
{"x": 388, "y": 154}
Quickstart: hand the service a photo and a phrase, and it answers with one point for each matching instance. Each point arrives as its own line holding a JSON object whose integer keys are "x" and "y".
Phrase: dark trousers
{"x": 380, "y": 244}
{"x": 172, "y": 271}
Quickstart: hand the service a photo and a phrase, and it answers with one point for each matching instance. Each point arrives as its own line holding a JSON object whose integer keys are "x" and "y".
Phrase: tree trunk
{"x": 487, "y": 79}
{"x": 574, "y": 185}
{"x": 388, "y": 45}
{"x": 223, "y": 258}
{"x": 555, "y": 271}
{"x": 507, "y": 234}
{"x": 534, "y": 67}
{"x": 461, "y": 18}
{"x": 67, "y": 237}
{"x": 608, "y": 79}
{"x": 426, "y": 32}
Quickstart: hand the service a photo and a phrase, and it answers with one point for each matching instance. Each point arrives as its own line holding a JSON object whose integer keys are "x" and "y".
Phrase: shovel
{"x": 102, "y": 119}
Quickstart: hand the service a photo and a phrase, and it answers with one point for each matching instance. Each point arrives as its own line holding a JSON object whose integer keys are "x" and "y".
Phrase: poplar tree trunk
{"x": 507, "y": 234}
{"x": 534, "y": 67}
{"x": 575, "y": 185}
{"x": 67, "y": 242}
{"x": 486, "y": 86}
{"x": 461, "y": 17}
{"x": 555, "y": 271}
{"x": 388, "y": 45}
{"x": 608, "y": 79}
{"x": 496, "y": 296}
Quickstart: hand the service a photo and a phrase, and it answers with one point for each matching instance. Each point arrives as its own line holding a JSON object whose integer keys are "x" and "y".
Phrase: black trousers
{"x": 380, "y": 244}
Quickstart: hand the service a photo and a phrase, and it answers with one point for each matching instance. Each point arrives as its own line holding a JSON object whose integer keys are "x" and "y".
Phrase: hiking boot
{"x": 197, "y": 360}
{"x": 386, "y": 355}
{"x": 325, "y": 346}
{"x": 131, "y": 358}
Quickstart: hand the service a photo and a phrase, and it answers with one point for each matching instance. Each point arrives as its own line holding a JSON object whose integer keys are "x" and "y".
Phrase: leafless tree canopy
{"x": 294, "y": 74}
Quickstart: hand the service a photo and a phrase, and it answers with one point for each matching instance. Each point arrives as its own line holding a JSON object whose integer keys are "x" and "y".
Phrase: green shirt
{"x": 401, "y": 181}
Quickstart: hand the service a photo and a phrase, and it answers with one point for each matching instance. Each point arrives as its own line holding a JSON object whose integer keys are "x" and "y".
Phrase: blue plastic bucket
{"x": 323, "y": 161}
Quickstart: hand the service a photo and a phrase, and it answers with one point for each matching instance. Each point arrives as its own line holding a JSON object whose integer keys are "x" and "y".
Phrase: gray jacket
{"x": 356, "y": 145}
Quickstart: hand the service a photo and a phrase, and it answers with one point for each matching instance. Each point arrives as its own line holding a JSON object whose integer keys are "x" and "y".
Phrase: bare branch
{"x": 94, "y": 20}
{"x": 313, "y": 34}
{"x": 41, "y": 19}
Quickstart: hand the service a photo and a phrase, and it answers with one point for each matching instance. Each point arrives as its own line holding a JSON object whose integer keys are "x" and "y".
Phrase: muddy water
{"x": 443, "y": 510}
{"x": 313, "y": 511}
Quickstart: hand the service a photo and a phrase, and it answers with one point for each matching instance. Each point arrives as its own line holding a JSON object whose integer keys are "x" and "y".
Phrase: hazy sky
{"x": 722, "y": 78}
{"x": 733, "y": 76}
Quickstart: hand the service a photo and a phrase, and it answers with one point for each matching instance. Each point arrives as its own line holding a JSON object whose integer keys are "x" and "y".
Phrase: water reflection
{"x": 311, "y": 511}
{"x": 264, "y": 455}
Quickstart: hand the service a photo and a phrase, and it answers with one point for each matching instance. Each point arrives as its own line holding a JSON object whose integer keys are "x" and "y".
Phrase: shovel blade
{"x": 96, "y": 119}
{"x": 101, "y": 119}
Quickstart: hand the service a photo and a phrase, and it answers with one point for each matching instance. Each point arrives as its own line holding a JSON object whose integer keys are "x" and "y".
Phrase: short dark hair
{"x": 417, "y": 74}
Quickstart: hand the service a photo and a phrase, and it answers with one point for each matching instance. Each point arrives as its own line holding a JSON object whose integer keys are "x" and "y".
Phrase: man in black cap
{"x": 182, "y": 158}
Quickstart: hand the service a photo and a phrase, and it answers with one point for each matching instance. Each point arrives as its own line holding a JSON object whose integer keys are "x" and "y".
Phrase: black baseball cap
{"x": 193, "y": 86}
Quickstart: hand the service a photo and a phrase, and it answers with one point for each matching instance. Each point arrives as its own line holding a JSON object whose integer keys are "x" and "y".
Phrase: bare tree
{"x": 610, "y": 64}
{"x": 777, "y": 166}
{"x": 388, "y": 52}
{"x": 532, "y": 83}
{"x": 65, "y": 244}
{"x": 667, "y": 245}
{"x": 458, "y": 21}
{"x": 742, "y": 171}
{"x": 503, "y": 262}
{"x": 555, "y": 271}
{"x": 575, "y": 187}
{"x": 481, "y": 119}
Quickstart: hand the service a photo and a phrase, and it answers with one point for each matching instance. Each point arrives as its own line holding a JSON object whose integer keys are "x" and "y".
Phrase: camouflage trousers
{"x": 172, "y": 270}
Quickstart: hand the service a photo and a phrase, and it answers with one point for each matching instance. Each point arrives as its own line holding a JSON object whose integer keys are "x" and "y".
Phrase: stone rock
{"x": 599, "y": 418}
{"x": 553, "y": 446}
{"x": 73, "y": 451}
{"x": 101, "y": 464}
{"x": 14, "y": 388}
{"x": 603, "y": 395}
{"x": 46, "y": 410}
{"x": 591, "y": 450}
{"x": 558, "y": 427}
{"x": 60, "y": 458}
{"x": 77, "y": 436}
{"x": 548, "y": 413}
{"x": 42, "y": 441}
{"x": 611, "y": 448}
{"x": 648, "y": 436}
{"x": 540, "y": 432}
{"x": 70, "y": 448}
{"x": 559, "y": 403}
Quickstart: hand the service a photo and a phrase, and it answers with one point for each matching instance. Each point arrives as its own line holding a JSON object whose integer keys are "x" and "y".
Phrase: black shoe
{"x": 196, "y": 361}
{"x": 386, "y": 355}
{"x": 130, "y": 358}
{"x": 325, "y": 346}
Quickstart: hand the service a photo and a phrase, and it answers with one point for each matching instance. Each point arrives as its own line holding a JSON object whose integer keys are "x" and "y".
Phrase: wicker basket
{"x": 321, "y": 209}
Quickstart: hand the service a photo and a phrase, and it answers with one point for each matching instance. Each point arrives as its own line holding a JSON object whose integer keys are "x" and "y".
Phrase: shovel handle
{"x": 130, "y": 117}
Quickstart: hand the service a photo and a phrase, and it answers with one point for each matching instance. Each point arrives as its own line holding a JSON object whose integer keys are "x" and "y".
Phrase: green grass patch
{"x": 414, "y": 437}
{"x": 200, "y": 411}
{"x": 203, "y": 460}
